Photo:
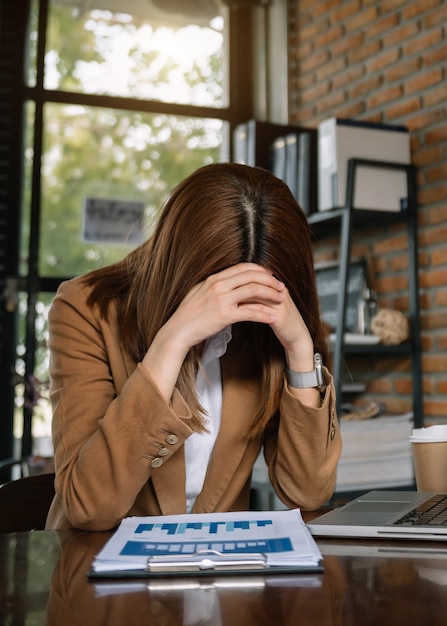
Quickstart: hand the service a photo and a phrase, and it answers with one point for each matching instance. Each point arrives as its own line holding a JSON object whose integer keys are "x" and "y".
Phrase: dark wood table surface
{"x": 43, "y": 581}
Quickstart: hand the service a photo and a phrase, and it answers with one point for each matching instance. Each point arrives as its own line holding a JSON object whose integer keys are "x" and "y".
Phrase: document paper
{"x": 281, "y": 536}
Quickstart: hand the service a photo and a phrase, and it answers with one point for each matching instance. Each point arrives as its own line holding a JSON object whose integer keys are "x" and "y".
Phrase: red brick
{"x": 328, "y": 70}
{"x": 436, "y": 17}
{"x": 400, "y": 34}
{"x": 392, "y": 284}
{"x": 332, "y": 34}
{"x": 428, "y": 156}
{"x": 314, "y": 60}
{"x": 435, "y": 409}
{"x": 424, "y": 261}
{"x": 438, "y": 215}
{"x": 427, "y": 40}
{"x": 380, "y": 385}
{"x": 322, "y": 8}
{"x": 403, "y": 69}
{"x": 351, "y": 111}
{"x": 439, "y": 257}
{"x": 333, "y": 101}
{"x": 435, "y": 363}
{"x": 402, "y": 385}
{"x": 436, "y": 96}
{"x": 437, "y": 55}
{"x": 433, "y": 278}
{"x": 385, "y": 96}
{"x": 364, "y": 51}
{"x": 347, "y": 9}
{"x": 436, "y": 173}
{"x": 302, "y": 82}
{"x": 303, "y": 51}
{"x": 311, "y": 31}
{"x": 365, "y": 87}
{"x": 426, "y": 343}
{"x": 432, "y": 194}
{"x": 382, "y": 25}
{"x": 390, "y": 5}
{"x": 398, "y": 263}
{"x": 349, "y": 76}
{"x": 385, "y": 59}
{"x": 415, "y": 9}
{"x": 424, "y": 80}
{"x": 436, "y": 135}
{"x": 362, "y": 19}
{"x": 314, "y": 94}
{"x": 391, "y": 244}
{"x": 303, "y": 6}
{"x": 304, "y": 115}
{"x": 348, "y": 43}
{"x": 425, "y": 120}
{"x": 404, "y": 107}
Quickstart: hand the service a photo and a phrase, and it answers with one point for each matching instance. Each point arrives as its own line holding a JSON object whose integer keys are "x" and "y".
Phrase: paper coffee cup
{"x": 429, "y": 449}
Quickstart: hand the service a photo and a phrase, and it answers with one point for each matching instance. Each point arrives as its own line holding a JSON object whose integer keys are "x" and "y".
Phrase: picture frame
{"x": 358, "y": 297}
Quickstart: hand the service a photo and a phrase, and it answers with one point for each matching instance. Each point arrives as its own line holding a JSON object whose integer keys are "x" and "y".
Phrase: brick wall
{"x": 387, "y": 62}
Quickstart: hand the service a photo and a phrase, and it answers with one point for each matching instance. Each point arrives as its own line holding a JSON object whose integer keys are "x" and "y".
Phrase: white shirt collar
{"x": 216, "y": 346}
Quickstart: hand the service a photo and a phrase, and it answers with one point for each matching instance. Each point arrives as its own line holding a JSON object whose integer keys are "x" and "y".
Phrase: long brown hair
{"x": 221, "y": 215}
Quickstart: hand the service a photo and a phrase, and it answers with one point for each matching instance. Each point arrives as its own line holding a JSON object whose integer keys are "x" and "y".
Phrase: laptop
{"x": 387, "y": 515}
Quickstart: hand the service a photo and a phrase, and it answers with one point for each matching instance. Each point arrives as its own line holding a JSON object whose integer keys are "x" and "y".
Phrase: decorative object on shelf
{"x": 391, "y": 326}
{"x": 360, "y": 304}
{"x": 373, "y": 409}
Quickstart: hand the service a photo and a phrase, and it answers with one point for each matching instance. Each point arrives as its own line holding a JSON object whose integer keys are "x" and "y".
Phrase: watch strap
{"x": 304, "y": 380}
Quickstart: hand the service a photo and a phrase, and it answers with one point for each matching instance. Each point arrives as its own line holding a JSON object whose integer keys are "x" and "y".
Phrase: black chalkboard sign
{"x": 328, "y": 286}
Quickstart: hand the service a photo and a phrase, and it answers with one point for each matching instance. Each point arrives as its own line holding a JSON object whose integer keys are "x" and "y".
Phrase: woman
{"x": 173, "y": 368}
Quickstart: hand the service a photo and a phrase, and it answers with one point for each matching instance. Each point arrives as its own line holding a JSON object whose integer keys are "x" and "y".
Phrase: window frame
{"x": 243, "y": 78}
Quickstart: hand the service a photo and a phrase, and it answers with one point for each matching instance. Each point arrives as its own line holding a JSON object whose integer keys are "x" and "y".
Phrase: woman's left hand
{"x": 292, "y": 332}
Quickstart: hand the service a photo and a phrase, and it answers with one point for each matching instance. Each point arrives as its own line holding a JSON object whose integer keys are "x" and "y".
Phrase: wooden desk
{"x": 43, "y": 581}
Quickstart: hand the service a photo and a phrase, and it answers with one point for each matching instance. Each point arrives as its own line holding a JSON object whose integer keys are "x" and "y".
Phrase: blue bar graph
{"x": 266, "y": 546}
{"x": 213, "y": 528}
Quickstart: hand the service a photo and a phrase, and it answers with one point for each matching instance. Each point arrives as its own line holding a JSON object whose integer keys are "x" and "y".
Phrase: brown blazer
{"x": 119, "y": 445}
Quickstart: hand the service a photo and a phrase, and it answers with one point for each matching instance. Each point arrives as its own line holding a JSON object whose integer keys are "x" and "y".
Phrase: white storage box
{"x": 380, "y": 189}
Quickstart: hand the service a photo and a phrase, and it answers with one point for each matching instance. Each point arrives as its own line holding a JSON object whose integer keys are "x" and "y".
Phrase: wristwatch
{"x": 304, "y": 380}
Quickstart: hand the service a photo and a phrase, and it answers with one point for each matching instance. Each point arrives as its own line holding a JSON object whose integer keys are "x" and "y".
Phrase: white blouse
{"x": 199, "y": 446}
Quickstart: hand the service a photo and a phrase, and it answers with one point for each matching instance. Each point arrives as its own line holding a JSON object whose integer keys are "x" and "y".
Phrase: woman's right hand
{"x": 243, "y": 292}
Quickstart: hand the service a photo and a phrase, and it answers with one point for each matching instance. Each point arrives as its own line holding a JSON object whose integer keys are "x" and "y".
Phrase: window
{"x": 119, "y": 104}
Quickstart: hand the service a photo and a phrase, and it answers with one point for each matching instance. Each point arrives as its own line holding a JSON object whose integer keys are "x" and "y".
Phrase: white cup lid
{"x": 435, "y": 433}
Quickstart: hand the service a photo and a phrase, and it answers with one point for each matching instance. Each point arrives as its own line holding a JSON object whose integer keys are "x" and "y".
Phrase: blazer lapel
{"x": 240, "y": 398}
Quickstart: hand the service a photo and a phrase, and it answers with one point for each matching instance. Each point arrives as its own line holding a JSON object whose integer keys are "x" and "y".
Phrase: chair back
{"x": 25, "y": 502}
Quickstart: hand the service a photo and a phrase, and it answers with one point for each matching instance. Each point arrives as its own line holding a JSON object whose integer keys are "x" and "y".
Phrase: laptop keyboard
{"x": 433, "y": 512}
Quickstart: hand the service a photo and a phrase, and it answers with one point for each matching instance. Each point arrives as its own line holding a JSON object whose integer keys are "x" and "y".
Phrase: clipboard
{"x": 209, "y": 544}
{"x": 206, "y": 563}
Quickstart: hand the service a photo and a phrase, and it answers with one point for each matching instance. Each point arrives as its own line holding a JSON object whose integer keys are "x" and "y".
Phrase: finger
{"x": 256, "y": 313}
{"x": 249, "y": 277}
{"x": 256, "y": 293}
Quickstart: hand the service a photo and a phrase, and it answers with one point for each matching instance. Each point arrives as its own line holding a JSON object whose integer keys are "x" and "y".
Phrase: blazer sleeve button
{"x": 156, "y": 462}
{"x": 172, "y": 439}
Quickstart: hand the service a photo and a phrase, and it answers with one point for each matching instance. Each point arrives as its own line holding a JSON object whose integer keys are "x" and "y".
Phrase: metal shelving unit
{"x": 347, "y": 219}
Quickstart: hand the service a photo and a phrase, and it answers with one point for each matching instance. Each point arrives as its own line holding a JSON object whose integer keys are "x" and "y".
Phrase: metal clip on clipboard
{"x": 206, "y": 560}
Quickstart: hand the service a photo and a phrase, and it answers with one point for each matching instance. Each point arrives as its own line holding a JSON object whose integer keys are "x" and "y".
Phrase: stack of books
{"x": 289, "y": 151}
{"x": 376, "y": 453}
